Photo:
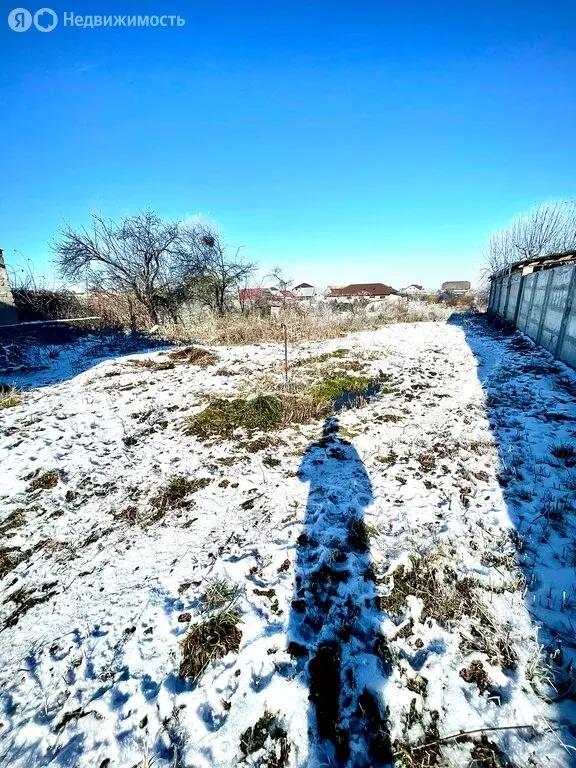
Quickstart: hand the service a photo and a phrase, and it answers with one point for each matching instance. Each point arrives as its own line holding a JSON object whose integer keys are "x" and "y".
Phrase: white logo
{"x": 45, "y": 20}
{"x": 19, "y": 20}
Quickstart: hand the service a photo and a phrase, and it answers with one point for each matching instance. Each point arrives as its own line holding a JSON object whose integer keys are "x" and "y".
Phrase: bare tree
{"x": 211, "y": 272}
{"x": 283, "y": 283}
{"x": 546, "y": 229}
{"x": 135, "y": 256}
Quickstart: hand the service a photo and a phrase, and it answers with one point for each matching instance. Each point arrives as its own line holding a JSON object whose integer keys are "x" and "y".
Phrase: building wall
{"x": 8, "y": 312}
{"x": 542, "y": 305}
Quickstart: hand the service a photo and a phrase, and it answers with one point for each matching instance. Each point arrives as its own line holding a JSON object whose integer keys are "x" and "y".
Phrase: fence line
{"x": 540, "y": 304}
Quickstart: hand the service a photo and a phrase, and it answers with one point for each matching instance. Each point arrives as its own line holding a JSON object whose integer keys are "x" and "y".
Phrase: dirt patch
{"x": 10, "y": 557}
{"x": 475, "y": 673}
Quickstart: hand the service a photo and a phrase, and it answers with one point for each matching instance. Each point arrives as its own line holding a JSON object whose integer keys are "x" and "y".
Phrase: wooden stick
{"x": 469, "y": 733}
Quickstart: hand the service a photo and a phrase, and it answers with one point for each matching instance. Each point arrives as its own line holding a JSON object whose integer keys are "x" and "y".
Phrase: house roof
{"x": 251, "y": 293}
{"x": 456, "y": 285}
{"x": 256, "y": 293}
{"x": 363, "y": 289}
{"x": 303, "y": 285}
{"x": 414, "y": 285}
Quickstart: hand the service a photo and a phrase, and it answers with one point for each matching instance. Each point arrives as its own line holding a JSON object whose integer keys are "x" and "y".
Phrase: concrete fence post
{"x": 519, "y": 300}
{"x": 508, "y": 286}
{"x": 544, "y": 305}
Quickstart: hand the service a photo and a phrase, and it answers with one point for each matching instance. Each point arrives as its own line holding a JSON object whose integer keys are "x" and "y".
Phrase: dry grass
{"x": 24, "y": 599}
{"x": 14, "y": 520}
{"x": 45, "y": 480}
{"x": 445, "y": 596}
{"x": 175, "y": 491}
{"x": 323, "y": 321}
{"x": 306, "y": 401}
{"x": 267, "y": 731}
{"x": 152, "y": 365}
{"x": 9, "y": 396}
{"x": 209, "y": 640}
{"x": 220, "y": 593}
{"x": 194, "y": 356}
{"x": 10, "y": 557}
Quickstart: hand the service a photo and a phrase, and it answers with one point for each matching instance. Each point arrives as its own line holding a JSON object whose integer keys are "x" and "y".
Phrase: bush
{"x": 43, "y": 304}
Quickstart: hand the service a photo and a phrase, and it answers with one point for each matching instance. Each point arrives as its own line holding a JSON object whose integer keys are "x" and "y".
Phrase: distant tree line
{"x": 156, "y": 265}
{"x": 547, "y": 229}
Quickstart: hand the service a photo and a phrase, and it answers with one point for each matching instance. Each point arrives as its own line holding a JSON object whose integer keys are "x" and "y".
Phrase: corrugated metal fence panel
{"x": 514, "y": 289}
{"x": 527, "y": 292}
{"x": 554, "y": 309}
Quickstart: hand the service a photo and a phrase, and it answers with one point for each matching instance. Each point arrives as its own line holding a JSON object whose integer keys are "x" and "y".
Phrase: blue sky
{"x": 356, "y": 141}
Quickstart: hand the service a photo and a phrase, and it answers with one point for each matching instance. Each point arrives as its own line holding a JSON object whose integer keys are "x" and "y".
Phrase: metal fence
{"x": 542, "y": 305}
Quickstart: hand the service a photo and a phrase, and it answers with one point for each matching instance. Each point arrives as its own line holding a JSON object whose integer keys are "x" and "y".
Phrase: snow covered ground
{"x": 390, "y": 579}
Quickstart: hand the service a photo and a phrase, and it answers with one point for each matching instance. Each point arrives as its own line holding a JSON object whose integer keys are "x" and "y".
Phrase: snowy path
{"x": 100, "y": 584}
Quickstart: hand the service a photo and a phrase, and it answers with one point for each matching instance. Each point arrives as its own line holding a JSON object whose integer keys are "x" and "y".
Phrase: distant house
{"x": 456, "y": 287}
{"x": 361, "y": 291}
{"x": 251, "y": 294}
{"x": 412, "y": 290}
{"x": 304, "y": 291}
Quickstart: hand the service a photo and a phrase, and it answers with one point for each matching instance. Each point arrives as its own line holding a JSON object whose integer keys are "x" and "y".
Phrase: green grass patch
{"x": 222, "y": 417}
{"x": 334, "y": 387}
{"x": 325, "y": 356}
{"x": 267, "y": 413}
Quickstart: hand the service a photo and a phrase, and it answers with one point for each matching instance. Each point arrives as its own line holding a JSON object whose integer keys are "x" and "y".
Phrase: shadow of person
{"x": 334, "y": 623}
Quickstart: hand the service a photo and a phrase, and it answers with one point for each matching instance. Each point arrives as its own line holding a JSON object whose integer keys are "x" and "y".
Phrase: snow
{"x": 89, "y": 675}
